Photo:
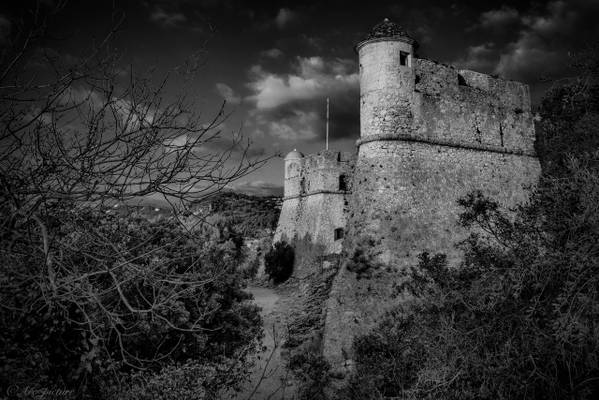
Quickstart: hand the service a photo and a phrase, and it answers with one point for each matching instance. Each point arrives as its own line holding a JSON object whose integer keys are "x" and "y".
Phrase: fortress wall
{"x": 321, "y": 214}
{"x": 321, "y": 171}
{"x": 407, "y": 191}
{"x": 471, "y": 109}
{"x": 321, "y": 207}
{"x": 405, "y": 198}
{"x": 288, "y": 218}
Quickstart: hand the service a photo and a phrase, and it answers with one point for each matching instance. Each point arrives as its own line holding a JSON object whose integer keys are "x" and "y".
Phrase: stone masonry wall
{"x": 405, "y": 198}
{"x": 449, "y": 106}
{"x": 471, "y": 109}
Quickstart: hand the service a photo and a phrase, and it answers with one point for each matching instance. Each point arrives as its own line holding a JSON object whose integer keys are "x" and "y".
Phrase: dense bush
{"x": 249, "y": 215}
{"x": 313, "y": 372}
{"x": 362, "y": 260}
{"x": 278, "y": 262}
{"x": 121, "y": 295}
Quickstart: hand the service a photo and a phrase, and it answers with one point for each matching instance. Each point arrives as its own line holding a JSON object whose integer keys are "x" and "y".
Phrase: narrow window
{"x": 342, "y": 183}
{"x": 303, "y": 186}
{"x": 338, "y": 233}
{"x": 403, "y": 58}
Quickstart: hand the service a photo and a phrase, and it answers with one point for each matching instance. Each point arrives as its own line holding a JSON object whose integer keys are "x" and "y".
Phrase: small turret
{"x": 386, "y": 80}
{"x": 293, "y": 165}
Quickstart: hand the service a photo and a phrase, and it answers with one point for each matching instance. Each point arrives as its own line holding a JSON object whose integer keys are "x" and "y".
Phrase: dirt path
{"x": 268, "y": 376}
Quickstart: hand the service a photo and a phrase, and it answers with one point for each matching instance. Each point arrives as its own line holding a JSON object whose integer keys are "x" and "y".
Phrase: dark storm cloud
{"x": 5, "y": 27}
{"x": 291, "y": 105}
{"x": 543, "y": 39}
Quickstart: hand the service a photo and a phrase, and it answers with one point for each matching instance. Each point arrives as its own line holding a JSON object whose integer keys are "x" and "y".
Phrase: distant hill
{"x": 249, "y": 215}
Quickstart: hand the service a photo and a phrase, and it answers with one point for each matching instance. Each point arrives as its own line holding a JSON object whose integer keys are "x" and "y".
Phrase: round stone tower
{"x": 386, "y": 81}
{"x": 293, "y": 167}
{"x": 292, "y": 192}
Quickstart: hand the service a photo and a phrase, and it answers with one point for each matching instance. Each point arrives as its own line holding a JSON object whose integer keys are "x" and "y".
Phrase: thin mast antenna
{"x": 327, "y": 139}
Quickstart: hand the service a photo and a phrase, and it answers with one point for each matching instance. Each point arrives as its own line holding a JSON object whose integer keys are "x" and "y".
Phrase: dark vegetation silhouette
{"x": 99, "y": 304}
{"x": 251, "y": 216}
{"x": 278, "y": 262}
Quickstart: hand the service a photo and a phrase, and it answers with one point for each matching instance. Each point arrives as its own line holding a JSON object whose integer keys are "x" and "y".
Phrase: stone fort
{"x": 429, "y": 134}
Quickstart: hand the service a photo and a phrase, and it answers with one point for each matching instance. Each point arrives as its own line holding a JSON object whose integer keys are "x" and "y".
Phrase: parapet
{"x": 468, "y": 109}
{"x": 328, "y": 159}
{"x": 323, "y": 172}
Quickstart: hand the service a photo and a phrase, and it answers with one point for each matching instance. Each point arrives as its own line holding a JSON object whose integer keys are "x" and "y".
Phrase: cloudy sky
{"x": 274, "y": 63}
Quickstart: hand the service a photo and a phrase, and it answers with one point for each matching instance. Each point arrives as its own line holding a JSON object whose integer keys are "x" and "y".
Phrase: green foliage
{"x": 191, "y": 380}
{"x": 121, "y": 294}
{"x": 251, "y": 270}
{"x": 247, "y": 215}
{"x": 278, "y": 262}
{"x": 570, "y": 116}
{"x": 362, "y": 260}
{"x": 313, "y": 371}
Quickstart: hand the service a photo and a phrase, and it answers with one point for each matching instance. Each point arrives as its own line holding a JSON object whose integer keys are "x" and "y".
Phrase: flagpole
{"x": 327, "y": 139}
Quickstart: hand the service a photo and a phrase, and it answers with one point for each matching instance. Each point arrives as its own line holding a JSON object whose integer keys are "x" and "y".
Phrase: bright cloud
{"x": 496, "y": 19}
{"x": 167, "y": 19}
{"x": 534, "y": 52}
{"x": 228, "y": 93}
{"x": 272, "y": 53}
{"x": 313, "y": 78}
{"x": 290, "y": 106}
{"x": 482, "y": 58}
{"x": 541, "y": 43}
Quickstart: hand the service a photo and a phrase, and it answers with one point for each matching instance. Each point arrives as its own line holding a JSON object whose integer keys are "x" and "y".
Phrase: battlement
{"x": 324, "y": 172}
{"x": 434, "y": 79}
{"x": 327, "y": 159}
{"x": 456, "y": 108}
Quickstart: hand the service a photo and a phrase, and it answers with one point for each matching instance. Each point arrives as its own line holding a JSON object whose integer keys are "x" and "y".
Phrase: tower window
{"x": 303, "y": 185}
{"x": 338, "y": 233}
{"x": 342, "y": 183}
{"x": 403, "y": 58}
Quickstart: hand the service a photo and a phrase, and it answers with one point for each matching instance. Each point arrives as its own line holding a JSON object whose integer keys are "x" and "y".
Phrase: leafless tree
{"x": 86, "y": 132}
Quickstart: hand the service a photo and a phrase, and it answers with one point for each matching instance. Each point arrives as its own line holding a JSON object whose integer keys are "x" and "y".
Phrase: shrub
{"x": 126, "y": 294}
{"x": 313, "y": 372}
{"x": 278, "y": 262}
{"x": 363, "y": 258}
